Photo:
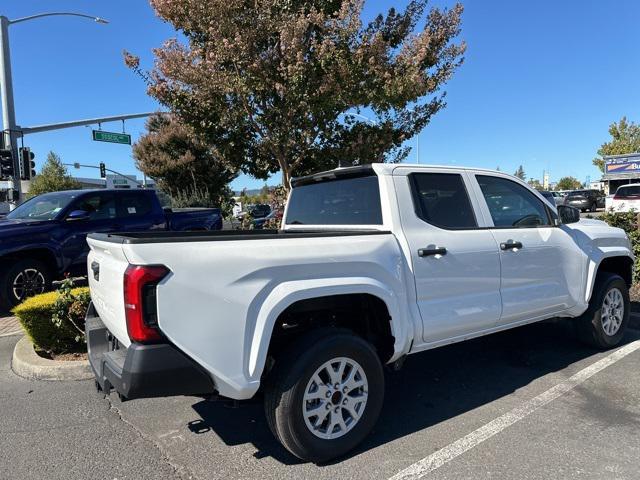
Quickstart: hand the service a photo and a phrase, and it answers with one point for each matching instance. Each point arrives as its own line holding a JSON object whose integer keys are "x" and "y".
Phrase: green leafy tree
{"x": 279, "y": 85}
{"x": 568, "y": 183}
{"x": 183, "y": 166}
{"x": 535, "y": 184}
{"x": 625, "y": 138}
{"x": 53, "y": 177}
{"x": 520, "y": 173}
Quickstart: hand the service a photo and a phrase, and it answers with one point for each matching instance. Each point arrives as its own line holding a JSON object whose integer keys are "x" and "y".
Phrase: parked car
{"x": 277, "y": 214}
{"x": 45, "y": 236}
{"x": 585, "y": 200}
{"x": 373, "y": 263}
{"x": 555, "y": 198}
{"x": 626, "y": 198}
{"x": 259, "y": 211}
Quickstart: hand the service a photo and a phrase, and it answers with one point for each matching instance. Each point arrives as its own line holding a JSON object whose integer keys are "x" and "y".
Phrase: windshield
{"x": 577, "y": 193}
{"x": 42, "y": 207}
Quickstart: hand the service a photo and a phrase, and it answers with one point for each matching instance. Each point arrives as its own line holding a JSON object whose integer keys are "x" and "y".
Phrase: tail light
{"x": 140, "y": 306}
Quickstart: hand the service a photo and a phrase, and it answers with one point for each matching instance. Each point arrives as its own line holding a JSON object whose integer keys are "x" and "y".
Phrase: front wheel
{"x": 604, "y": 323}
{"x": 23, "y": 279}
{"x": 325, "y": 395}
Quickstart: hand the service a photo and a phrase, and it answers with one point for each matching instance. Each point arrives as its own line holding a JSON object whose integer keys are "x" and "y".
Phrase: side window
{"x": 133, "y": 205}
{"x": 511, "y": 204}
{"x": 441, "y": 199}
{"x": 99, "y": 206}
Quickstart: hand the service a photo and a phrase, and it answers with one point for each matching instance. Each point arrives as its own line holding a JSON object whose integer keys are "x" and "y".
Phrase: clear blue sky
{"x": 540, "y": 85}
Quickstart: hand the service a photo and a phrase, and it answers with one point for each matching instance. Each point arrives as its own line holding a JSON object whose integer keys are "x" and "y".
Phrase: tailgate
{"x": 625, "y": 204}
{"x": 106, "y": 265}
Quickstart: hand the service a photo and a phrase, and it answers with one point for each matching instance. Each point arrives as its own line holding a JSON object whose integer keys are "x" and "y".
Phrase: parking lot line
{"x": 475, "y": 438}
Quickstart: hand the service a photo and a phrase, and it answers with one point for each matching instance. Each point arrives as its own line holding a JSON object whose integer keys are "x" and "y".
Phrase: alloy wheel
{"x": 27, "y": 283}
{"x": 335, "y": 398}
{"x": 612, "y": 311}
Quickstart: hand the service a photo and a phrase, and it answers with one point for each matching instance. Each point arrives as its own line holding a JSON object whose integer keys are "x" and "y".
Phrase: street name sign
{"x": 111, "y": 137}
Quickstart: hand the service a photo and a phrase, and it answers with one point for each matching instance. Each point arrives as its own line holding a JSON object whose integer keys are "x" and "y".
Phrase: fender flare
{"x": 594, "y": 265}
{"x": 22, "y": 250}
{"x": 287, "y": 293}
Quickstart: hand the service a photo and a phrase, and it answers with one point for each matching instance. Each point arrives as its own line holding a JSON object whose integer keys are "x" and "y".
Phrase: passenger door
{"x": 541, "y": 269}
{"x": 101, "y": 209}
{"x": 455, "y": 261}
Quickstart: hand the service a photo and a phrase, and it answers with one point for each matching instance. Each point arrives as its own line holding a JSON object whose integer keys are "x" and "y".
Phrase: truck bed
{"x": 222, "y": 284}
{"x": 222, "y": 235}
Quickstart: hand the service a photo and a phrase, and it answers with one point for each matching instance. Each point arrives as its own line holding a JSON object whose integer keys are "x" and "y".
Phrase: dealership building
{"x": 620, "y": 170}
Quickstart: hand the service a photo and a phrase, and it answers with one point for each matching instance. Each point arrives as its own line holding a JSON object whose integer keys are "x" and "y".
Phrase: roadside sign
{"x": 111, "y": 137}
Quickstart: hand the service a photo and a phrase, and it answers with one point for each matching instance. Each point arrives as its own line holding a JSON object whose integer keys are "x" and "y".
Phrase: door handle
{"x": 426, "y": 252}
{"x": 508, "y": 245}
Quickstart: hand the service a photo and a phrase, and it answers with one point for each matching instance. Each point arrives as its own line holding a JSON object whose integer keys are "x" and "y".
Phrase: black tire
{"x": 590, "y": 326}
{"x": 285, "y": 389}
{"x": 10, "y": 293}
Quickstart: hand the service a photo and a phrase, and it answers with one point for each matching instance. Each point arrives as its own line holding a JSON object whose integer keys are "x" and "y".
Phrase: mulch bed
{"x": 64, "y": 357}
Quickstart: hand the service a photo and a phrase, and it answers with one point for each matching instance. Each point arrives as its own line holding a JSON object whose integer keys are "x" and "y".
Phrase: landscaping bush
{"x": 54, "y": 321}
{"x": 629, "y": 222}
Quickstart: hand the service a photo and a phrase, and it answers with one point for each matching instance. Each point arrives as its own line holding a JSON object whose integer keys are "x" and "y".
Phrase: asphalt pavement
{"x": 528, "y": 403}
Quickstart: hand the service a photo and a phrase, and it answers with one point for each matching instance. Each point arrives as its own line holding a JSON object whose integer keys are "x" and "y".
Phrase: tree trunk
{"x": 286, "y": 171}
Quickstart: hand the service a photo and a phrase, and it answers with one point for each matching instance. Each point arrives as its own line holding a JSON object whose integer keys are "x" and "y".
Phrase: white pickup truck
{"x": 373, "y": 263}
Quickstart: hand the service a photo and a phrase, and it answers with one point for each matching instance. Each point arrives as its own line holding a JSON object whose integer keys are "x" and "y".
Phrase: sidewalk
{"x": 9, "y": 326}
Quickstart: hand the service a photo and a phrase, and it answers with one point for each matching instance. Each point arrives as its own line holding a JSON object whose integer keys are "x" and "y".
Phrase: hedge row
{"x": 54, "y": 321}
{"x": 630, "y": 223}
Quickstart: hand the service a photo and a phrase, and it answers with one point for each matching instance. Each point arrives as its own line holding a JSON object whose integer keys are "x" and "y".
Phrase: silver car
{"x": 555, "y": 198}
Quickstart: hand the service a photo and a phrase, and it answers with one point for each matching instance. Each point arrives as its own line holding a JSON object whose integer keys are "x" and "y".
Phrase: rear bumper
{"x": 580, "y": 204}
{"x": 142, "y": 371}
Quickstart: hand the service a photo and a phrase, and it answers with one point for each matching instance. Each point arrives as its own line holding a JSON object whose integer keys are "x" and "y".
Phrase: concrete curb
{"x": 28, "y": 364}
{"x": 12, "y": 334}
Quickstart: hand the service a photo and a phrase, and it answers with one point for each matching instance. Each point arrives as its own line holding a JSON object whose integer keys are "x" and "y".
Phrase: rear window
{"x": 632, "y": 191}
{"x": 348, "y": 201}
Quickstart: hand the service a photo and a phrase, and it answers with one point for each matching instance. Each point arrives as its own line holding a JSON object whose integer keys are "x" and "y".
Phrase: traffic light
{"x": 27, "y": 164}
{"x": 103, "y": 170}
{"x": 6, "y": 163}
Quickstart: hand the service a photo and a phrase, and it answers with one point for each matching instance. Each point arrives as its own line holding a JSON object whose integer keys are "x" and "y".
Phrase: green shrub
{"x": 629, "y": 222}
{"x": 54, "y": 321}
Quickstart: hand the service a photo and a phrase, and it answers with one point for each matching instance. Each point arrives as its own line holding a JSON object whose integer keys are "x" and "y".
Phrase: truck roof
{"x": 98, "y": 190}
{"x": 378, "y": 169}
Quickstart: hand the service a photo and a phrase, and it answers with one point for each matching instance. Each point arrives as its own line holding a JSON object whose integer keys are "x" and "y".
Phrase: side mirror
{"x": 568, "y": 214}
{"x": 77, "y": 215}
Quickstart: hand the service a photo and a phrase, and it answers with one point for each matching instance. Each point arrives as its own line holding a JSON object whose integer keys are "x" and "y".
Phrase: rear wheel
{"x": 23, "y": 279}
{"x": 604, "y": 323}
{"x": 325, "y": 395}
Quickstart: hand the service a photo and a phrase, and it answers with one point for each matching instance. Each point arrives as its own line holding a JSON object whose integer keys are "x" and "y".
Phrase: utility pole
{"x": 10, "y": 130}
{"x": 8, "y": 111}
